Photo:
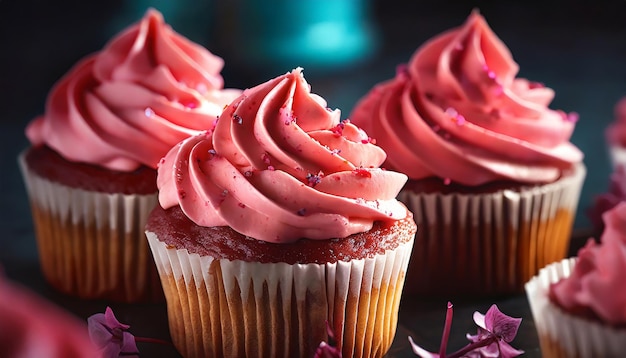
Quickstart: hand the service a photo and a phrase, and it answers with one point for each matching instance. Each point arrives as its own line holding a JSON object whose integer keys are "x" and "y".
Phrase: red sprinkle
{"x": 242, "y": 205}
{"x": 181, "y": 193}
{"x": 338, "y": 129}
{"x": 363, "y": 173}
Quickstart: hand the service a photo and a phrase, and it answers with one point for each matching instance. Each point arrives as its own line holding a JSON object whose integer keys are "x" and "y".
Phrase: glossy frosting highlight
{"x": 458, "y": 112}
{"x": 280, "y": 166}
{"x": 596, "y": 286}
{"x": 128, "y": 104}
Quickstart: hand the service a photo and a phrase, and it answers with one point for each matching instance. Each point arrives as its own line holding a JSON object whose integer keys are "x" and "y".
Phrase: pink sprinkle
{"x": 265, "y": 158}
{"x": 460, "y": 120}
{"x": 148, "y": 112}
{"x": 498, "y": 90}
{"x": 270, "y": 168}
{"x": 402, "y": 71}
{"x": 202, "y": 88}
{"x": 446, "y": 181}
{"x": 572, "y": 117}
{"x": 485, "y": 68}
{"x": 191, "y": 105}
{"x": 451, "y": 112}
{"x": 491, "y": 75}
{"x": 458, "y": 46}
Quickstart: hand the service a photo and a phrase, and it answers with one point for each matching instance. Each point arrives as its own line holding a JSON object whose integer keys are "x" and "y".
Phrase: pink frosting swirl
{"x": 458, "y": 112}
{"x": 616, "y": 131}
{"x": 128, "y": 104}
{"x": 280, "y": 166}
{"x": 597, "y": 282}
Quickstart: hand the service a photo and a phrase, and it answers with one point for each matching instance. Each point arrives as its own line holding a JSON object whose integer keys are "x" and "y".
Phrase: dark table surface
{"x": 577, "y": 50}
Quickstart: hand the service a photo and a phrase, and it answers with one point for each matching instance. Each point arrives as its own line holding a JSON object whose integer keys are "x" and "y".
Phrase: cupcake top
{"x": 32, "y": 327}
{"x": 280, "y": 166}
{"x": 615, "y": 194}
{"x": 457, "y": 112}
{"x": 616, "y": 131}
{"x": 595, "y": 288}
{"x": 128, "y": 104}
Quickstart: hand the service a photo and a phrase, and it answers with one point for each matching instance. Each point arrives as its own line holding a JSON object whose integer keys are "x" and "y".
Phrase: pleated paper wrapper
{"x": 562, "y": 334}
{"x": 491, "y": 243}
{"x": 223, "y": 308}
{"x": 92, "y": 245}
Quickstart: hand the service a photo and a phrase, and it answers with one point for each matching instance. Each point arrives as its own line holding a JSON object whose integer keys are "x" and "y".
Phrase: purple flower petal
{"x": 479, "y": 319}
{"x": 112, "y": 322}
{"x": 501, "y": 325}
{"x": 111, "y": 336}
{"x": 421, "y": 352}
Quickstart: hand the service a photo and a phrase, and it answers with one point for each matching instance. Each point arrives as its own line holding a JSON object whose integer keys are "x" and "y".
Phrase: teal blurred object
{"x": 279, "y": 35}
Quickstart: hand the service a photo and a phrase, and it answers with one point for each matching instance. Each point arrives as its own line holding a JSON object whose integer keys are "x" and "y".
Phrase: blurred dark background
{"x": 576, "y": 48}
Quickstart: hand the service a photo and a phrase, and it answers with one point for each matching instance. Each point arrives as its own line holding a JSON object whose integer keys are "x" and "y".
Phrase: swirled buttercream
{"x": 458, "y": 112}
{"x": 129, "y": 103}
{"x": 596, "y": 284}
{"x": 280, "y": 166}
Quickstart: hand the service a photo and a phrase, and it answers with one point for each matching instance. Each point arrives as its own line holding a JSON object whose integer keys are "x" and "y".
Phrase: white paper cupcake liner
{"x": 491, "y": 243}
{"x": 617, "y": 155}
{"x": 562, "y": 334}
{"x": 92, "y": 244}
{"x": 218, "y": 307}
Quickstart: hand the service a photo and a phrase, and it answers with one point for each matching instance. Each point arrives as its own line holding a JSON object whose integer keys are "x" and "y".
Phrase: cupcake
{"x": 494, "y": 181}
{"x": 33, "y": 327}
{"x": 579, "y": 304}
{"x": 616, "y": 135}
{"x": 276, "y": 223}
{"x": 90, "y": 171}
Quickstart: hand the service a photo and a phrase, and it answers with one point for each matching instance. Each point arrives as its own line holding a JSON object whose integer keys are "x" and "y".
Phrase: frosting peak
{"x": 280, "y": 166}
{"x": 597, "y": 282}
{"x": 458, "y": 112}
{"x": 128, "y": 104}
